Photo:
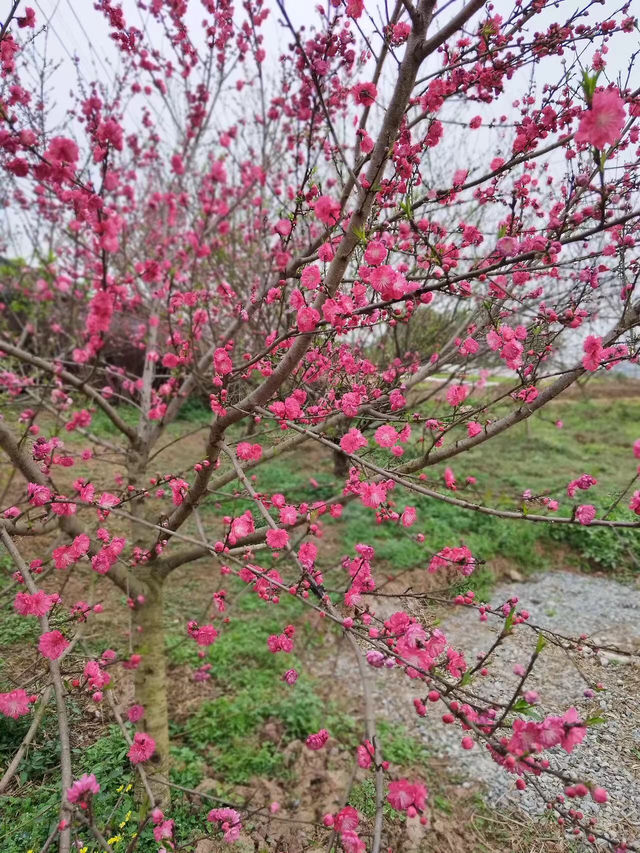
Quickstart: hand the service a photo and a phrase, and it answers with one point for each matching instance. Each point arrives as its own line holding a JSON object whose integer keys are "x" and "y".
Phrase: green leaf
{"x": 589, "y": 82}
{"x": 521, "y": 706}
{"x": 466, "y": 678}
{"x": 594, "y": 721}
{"x": 508, "y": 625}
{"x": 540, "y": 644}
{"x": 361, "y": 234}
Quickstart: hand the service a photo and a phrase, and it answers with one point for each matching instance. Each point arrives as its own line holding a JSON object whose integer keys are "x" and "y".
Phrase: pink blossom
{"x": 247, "y": 451}
{"x": 602, "y": 124}
{"x": 283, "y": 227}
{"x": 135, "y": 713}
{"x": 62, "y": 150}
{"x": 29, "y": 19}
{"x": 469, "y": 347}
{"x": 456, "y": 664}
{"x": 221, "y": 362}
{"x": 179, "y": 489}
{"x": 459, "y": 556}
{"x": 507, "y": 246}
{"x": 375, "y": 253}
{"x": 280, "y": 643}
{"x": 241, "y": 527}
{"x": 365, "y": 755}
{"x": 38, "y": 495}
{"x": 457, "y": 394}
{"x": 318, "y": 740}
{"x": 229, "y": 820}
{"x": 277, "y": 538}
{"x": 584, "y": 482}
{"x": 349, "y": 403}
{"x": 634, "y": 503}
{"x": 177, "y": 164}
{"x": 142, "y": 748}
{"x": 52, "y": 644}
{"x": 397, "y": 400}
{"x": 310, "y": 277}
{"x": 82, "y": 789}
{"x": 37, "y": 604}
{"x": 585, "y": 514}
{"x": 327, "y": 209}
{"x": 308, "y": 318}
{"x": 573, "y": 733}
{"x": 353, "y": 441}
{"x": 409, "y": 516}
{"x": 308, "y": 554}
{"x": 594, "y": 353}
{"x": 404, "y": 794}
{"x": 373, "y": 494}
{"x": 449, "y": 479}
{"x": 290, "y": 677}
{"x": 351, "y": 842}
{"x": 288, "y": 515}
{"x": 473, "y": 429}
{"x": 355, "y": 8}
{"x": 375, "y": 658}
{"x": 14, "y": 704}
{"x": 162, "y": 829}
{"x": 107, "y": 556}
{"x": 205, "y": 635}
{"x": 459, "y": 177}
{"x": 364, "y": 93}
{"x": 386, "y": 436}
{"x": 636, "y": 448}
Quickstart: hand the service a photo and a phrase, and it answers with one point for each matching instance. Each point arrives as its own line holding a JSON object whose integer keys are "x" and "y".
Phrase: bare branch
{"x": 66, "y": 776}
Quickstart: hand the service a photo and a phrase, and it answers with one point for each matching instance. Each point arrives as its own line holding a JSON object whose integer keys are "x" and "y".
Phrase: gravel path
{"x": 571, "y": 604}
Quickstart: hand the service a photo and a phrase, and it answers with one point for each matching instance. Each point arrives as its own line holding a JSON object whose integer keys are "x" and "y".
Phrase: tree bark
{"x": 151, "y": 687}
{"x": 341, "y": 464}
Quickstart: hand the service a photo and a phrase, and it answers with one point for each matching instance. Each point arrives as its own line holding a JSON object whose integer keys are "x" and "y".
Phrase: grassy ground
{"x": 237, "y": 732}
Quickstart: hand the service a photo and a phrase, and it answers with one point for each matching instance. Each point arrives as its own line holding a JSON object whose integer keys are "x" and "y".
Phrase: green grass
{"x": 363, "y": 798}
{"x": 15, "y": 630}
{"x": 29, "y": 817}
{"x": 400, "y": 747}
{"x": 538, "y": 456}
{"x": 227, "y": 731}
{"x": 443, "y": 524}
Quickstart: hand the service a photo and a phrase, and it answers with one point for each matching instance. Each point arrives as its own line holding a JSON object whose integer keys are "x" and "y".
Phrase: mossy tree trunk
{"x": 151, "y": 686}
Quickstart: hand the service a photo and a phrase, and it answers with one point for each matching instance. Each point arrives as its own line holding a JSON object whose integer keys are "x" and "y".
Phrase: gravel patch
{"x": 571, "y": 604}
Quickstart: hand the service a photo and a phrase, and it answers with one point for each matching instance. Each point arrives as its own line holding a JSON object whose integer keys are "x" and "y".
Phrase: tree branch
{"x": 75, "y": 381}
{"x": 26, "y": 740}
{"x": 66, "y": 776}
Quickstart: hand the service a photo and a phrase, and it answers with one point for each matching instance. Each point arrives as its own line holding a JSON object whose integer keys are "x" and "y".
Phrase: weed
{"x": 363, "y": 798}
{"x": 400, "y": 747}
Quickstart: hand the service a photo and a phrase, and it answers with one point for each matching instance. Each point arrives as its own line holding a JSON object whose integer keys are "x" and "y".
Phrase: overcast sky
{"x": 75, "y": 30}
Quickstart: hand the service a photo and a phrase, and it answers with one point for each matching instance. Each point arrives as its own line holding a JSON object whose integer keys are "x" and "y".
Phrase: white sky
{"x": 75, "y": 30}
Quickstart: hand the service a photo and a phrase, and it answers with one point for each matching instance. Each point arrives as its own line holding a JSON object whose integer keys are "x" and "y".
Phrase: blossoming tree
{"x": 262, "y": 258}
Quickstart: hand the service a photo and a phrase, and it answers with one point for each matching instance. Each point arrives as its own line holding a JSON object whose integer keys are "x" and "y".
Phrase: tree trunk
{"x": 151, "y": 687}
{"x": 340, "y": 464}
